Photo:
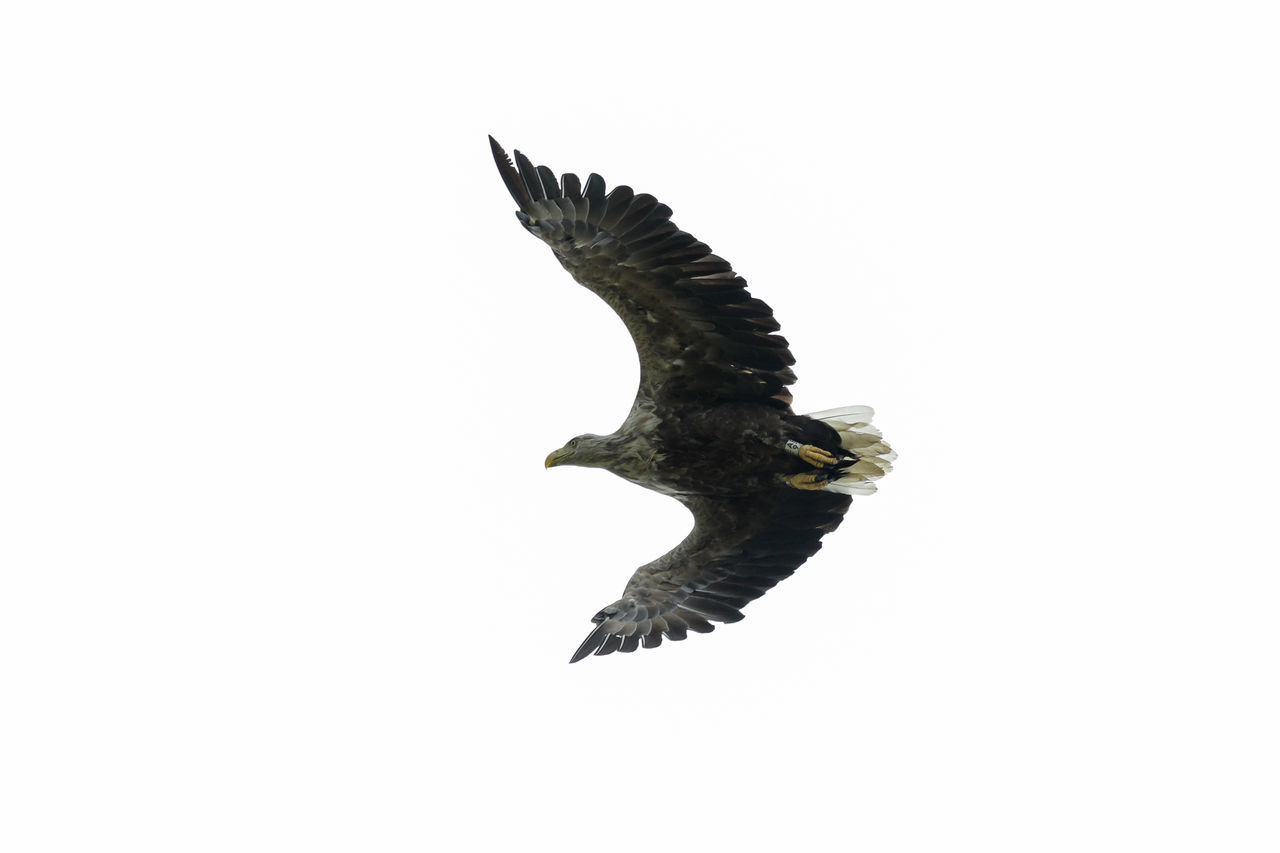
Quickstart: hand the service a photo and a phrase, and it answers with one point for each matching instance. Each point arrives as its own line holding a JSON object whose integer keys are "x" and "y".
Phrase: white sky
{"x": 282, "y": 569}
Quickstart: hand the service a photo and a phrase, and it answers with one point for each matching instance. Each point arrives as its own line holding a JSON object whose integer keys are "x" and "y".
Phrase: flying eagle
{"x": 711, "y": 424}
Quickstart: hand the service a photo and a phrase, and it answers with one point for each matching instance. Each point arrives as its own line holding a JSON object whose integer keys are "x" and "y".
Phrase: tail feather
{"x": 852, "y": 414}
{"x": 860, "y": 438}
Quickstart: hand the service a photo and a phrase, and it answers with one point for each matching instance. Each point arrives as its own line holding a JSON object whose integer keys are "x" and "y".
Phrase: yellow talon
{"x": 816, "y": 456}
{"x": 809, "y": 481}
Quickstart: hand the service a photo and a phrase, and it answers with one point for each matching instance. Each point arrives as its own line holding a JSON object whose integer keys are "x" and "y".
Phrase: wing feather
{"x": 699, "y": 334}
{"x": 619, "y": 202}
{"x": 739, "y": 549}
{"x": 529, "y": 175}
{"x": 572, "y": 189}
{"x": 548, "y": 180}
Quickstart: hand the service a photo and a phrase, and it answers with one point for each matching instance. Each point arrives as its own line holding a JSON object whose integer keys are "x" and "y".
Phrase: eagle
{"x": 711, "y": 425}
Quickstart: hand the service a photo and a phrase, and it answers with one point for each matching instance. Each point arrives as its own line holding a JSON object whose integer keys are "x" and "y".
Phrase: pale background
{"x": 282, "y": 569}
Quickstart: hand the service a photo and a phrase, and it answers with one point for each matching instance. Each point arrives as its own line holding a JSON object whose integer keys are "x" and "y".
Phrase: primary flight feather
{"x": 711, "y": 424}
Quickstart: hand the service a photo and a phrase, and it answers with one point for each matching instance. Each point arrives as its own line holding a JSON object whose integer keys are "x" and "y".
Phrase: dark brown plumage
{"x": 711, "y": 424}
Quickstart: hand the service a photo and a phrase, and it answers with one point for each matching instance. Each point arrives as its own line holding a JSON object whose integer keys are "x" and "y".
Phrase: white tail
{"x": 858, "y": 436}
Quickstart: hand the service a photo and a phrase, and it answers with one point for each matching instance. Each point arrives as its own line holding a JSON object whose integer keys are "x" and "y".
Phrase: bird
{"x": 711, "y": 425}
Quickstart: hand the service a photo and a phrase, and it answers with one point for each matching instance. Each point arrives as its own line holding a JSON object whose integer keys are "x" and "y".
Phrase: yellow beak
{"x": 554, "y": 457}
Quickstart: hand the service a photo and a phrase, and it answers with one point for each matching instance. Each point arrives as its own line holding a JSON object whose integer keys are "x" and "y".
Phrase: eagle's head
{"x": 587, "y": 451}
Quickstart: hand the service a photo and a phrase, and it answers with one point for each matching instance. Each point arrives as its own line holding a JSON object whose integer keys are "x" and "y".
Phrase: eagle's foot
{"x": 814, "y": 455}
{"x": 808, "y": 481}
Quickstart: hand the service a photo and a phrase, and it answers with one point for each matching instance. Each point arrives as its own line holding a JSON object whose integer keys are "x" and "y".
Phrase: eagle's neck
{"x": 611, "y": 452}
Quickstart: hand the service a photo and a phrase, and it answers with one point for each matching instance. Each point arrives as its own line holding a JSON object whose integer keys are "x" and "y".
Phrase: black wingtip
{"x": 593, "y": 641}
{"x": 510, "y": 177}
{"x": 529, "y": 176}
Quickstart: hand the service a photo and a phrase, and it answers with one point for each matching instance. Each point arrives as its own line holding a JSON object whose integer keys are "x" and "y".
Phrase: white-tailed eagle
{"x": 711, "y": 425}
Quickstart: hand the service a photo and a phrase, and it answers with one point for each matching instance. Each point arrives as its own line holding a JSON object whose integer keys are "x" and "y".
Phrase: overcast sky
{"x": 281, "y": 566}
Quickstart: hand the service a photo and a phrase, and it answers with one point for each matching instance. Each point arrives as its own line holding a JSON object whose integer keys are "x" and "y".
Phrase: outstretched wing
{"x": 700, "y": 335}
{"x": 738, "y": 549}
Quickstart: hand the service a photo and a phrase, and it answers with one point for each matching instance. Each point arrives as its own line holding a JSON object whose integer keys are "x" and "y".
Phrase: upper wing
{"x": 699, "y": 333}
{"x": 738, "y": 549}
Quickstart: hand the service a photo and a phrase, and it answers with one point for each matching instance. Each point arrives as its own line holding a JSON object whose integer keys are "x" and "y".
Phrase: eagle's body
{"x": 711, "y": 424}
{"x": 726, "y": 449}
